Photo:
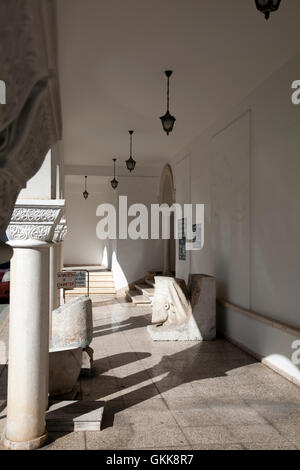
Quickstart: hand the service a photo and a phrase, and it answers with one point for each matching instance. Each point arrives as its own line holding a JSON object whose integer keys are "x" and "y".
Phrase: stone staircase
{"x": 142, "y": 293}
{"x": 101, "y": 283}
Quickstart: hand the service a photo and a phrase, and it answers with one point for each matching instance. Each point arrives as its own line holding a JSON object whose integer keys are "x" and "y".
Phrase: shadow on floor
{"x": 201, "y": 361}
{"x": 128, "y": 324}
{"x": 181, "y": 368}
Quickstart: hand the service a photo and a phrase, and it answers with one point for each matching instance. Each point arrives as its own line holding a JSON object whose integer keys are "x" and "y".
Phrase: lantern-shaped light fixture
{"x": 267, "y": 6}
{"x": 85, "y": 193}
{"x": 114, "y": 183}
{"x": 168, "y": 120}
{"x": 130, "y": 163}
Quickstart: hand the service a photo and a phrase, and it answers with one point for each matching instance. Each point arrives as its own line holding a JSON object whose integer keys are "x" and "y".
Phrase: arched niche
{"x": 167, "y": 195}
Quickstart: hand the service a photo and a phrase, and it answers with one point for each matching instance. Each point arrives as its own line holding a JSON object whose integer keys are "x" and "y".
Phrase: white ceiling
{"x": 113, "y": 53}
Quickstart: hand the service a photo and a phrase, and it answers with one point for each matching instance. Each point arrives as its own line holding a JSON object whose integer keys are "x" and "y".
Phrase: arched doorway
{"x": 167, "y": 195}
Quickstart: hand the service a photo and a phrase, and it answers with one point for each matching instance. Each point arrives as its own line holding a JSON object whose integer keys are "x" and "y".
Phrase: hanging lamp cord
{"x": 168, "y": 95}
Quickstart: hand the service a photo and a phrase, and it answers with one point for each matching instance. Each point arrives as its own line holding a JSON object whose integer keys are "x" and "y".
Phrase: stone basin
{"x": 64, "y": 369}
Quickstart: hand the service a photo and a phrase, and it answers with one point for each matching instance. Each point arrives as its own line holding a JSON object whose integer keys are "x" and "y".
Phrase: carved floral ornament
{"x": 35, "y": 222}
{"x": 60, "y": 231}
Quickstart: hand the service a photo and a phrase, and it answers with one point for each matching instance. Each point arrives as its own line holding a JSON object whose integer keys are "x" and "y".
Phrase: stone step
{"x": 93, "y": 290}
{"x": 109, "y": 278}
{"x": 95, "y": 274}
{"x": 145, "y": 289}
{"x": 102, "y": 284}
{"x": 136, "y": 298}
{"x": 155, "y": 273}
{"x": 150, "y": 282}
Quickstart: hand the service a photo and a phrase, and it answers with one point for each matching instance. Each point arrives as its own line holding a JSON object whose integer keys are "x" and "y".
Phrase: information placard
{"x": 66, "y": 280}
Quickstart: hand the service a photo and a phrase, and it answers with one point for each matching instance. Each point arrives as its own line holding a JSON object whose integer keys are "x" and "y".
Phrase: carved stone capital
{"x": 34, "y": 222}
{"x": 60, "y": 231}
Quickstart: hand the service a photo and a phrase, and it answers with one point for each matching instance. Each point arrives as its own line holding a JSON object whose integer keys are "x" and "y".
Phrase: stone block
{"x": 72, "y": 416}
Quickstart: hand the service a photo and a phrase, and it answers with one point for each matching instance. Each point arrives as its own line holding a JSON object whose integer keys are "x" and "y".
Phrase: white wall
{"x": 136, "y": 257}
{"x": 246, "y": 170}
{"x": 48, "y": 182}
{"x": 130, "y": 260}
{"x": 82, "y": 246}
{"x": 40, "y": 186}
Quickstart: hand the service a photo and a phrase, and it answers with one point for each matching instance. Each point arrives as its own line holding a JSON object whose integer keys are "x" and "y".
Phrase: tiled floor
{"x": 179, "y": 395}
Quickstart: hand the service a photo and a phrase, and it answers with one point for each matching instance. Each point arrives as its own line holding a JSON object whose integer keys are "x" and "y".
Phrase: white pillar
{"x": 30, "y": 233}
{"x": 53, "y": 300}
{"x": 28, "y": 348}
{"x": 59, "y": 236}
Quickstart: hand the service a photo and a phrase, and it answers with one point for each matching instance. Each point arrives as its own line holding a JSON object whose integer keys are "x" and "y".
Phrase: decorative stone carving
{"x": 183, "y": 314}
{"x": 60, "y": 231}
{"x": 34, "y": 221}
{"x": 64, "y": 230}
{"x": 170, "y": 305}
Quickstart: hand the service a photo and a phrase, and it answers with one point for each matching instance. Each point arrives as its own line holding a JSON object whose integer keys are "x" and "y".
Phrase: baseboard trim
{"x": 292, "y": 330}
{"x": 261, "y": 359}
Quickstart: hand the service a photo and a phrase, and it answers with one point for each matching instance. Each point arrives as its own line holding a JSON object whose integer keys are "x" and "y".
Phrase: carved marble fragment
{"x": 182, "y": 313}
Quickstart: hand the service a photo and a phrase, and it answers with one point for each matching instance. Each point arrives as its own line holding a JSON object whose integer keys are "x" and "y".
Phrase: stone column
{"x": 56, "y": 262}
{"x": 30, "y": 233}
{"x": 56, "y": 265}
{"x": 53, "y": 298}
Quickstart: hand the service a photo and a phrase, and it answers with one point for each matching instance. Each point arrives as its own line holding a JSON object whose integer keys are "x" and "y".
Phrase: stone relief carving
{"x": 60, "y": 231}
{"x": 28, "y": 232}
{"x": 34, "y": 215}
{"x": 170, "y": 305}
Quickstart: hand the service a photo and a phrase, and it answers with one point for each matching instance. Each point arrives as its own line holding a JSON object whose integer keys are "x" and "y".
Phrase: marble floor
{"x": 177, "y": 395}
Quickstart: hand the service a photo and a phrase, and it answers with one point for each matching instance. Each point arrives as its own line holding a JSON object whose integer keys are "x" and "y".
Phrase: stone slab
{"x": 75, "y": 416}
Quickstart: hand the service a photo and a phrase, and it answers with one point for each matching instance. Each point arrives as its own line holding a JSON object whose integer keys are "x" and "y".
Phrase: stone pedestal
{"x": 30, "y": 233}
{"x": 202, "y": 291}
